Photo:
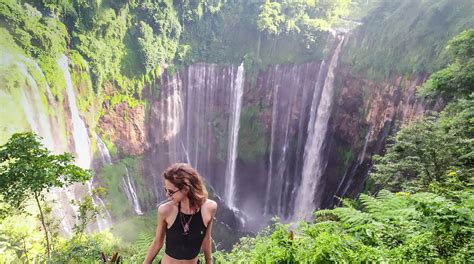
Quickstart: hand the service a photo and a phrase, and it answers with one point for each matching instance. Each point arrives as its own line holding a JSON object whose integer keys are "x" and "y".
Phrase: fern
{"x": 143, "y": 243}
{"x": 351, "y": 217}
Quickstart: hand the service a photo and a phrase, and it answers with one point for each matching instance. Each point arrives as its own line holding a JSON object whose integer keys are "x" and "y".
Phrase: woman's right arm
{"x": 157, "y": 243}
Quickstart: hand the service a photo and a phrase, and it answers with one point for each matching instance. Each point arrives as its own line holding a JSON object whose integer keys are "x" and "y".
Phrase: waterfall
{"x": 80, "y": 136}
{"x": 35, "y": 111}
{"x": 313, "y": 164}
{"x": 106, "y": 160}
{"x": 103, "y": 151}
{"x": 237, "y": 89}
{"x": 344, "y": 184}
{"x": 129, "y": 187}
{"x": 203, "y": 91}
{"x": 290, "y": 97}
{"x": 366, "y": 142}
{"x": 275, "y": 96}
{"x": 79, "y": 130}
{"x": 171, "y": 117}
{"x": 40, "y": 123}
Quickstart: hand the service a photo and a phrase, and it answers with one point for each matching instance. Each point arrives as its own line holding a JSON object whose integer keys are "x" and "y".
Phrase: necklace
{"x": 184, "y": 223}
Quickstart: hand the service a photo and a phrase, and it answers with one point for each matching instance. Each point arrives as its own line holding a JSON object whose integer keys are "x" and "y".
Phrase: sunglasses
{"x": 170, "y": 192}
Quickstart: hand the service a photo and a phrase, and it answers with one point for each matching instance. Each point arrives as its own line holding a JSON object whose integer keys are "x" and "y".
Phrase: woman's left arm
{"x": 207, "y": 242}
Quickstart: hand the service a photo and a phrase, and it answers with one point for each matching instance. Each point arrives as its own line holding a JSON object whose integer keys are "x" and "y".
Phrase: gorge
{"x": 273, "y": 136}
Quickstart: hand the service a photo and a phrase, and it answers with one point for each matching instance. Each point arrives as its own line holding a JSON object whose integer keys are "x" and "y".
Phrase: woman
{"x": 185, "y": 220}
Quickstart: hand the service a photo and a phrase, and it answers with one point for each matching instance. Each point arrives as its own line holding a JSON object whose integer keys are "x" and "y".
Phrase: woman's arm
{"x": 157, "y": 243}
{"x": 207, "y": 242}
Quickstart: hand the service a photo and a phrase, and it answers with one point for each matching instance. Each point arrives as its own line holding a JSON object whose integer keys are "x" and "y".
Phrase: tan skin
{"x": 167, "y": 214}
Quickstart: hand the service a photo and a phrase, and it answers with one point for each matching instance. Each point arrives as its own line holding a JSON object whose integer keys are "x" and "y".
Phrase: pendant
{"x": 186, "y": 228}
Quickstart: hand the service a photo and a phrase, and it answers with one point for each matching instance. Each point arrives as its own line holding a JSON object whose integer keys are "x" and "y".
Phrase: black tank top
{"x": 180, "y": 245}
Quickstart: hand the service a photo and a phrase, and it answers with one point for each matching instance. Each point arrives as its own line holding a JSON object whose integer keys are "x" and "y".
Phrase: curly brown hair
{"x": 184, "y": 175}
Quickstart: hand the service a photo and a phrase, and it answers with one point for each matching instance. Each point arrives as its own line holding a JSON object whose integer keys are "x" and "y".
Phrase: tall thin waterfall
{"x": 171, "y": 117}
{"x": 79, "y": 130}
{"x": 313, "y": 165}
{"x": 130, "y": 191}
{"x": 106, "y": 159}
{"x": 80, "y": 135}
{"x": 39, "y": 122}
{"x": 234, "y": 125}
{"x": 103, "y": 151}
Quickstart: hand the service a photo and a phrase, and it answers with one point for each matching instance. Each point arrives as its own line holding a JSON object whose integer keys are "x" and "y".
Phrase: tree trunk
{"x": 48, "y": 246}
{"x": 25, "y": 249}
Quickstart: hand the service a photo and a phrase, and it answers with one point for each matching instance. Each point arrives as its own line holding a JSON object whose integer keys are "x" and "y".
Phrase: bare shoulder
{"x": 166, "y": 209}
{"x": 210, "y": 206}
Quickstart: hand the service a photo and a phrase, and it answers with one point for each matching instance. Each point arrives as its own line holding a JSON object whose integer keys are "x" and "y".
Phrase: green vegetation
{"x": 457, "y": 80}
{"x": 124, "y": 45}
{"x": 437, "y": 149}
{"x": 406, "y": 37}
{"x": 27, "y": 170}
{"x": 87, "y": 212}
{"x": 423, "y": 227}
{"x": 253, "y": 140}
{"x": 261, "y": 33}
{"x": 220, "y": 135}
{"x": 113, "y": 176}
{"x": 43, "y": 38}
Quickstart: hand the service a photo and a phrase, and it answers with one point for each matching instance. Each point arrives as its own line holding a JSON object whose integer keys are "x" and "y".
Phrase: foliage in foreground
{"x": 392, "y": 227}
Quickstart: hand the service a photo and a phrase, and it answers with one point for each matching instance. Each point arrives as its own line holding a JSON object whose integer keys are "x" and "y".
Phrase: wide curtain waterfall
{"x": 196, "y": 119}
{"x": 190, "y": 122}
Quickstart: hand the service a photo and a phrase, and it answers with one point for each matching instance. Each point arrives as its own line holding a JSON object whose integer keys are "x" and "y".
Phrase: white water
{"x": 39, "y": 122}
{"x": 234, "y": 124}
{"x": 313, "y": 165}
{"x": 366, "y": 142}
{"x": 103, "y": 151}
{"x": 185, "y": 153}
{"x": 106, "y": 159}
{"x": 79, "y": 130}
{"x": 282, "y": 163}
{"x": 172, "y": 117}
{"x": 80, "y": 137}
{"x": 35, "y": 111}
{"x": 129, "y": 187}
{"x": 272, "y": 139}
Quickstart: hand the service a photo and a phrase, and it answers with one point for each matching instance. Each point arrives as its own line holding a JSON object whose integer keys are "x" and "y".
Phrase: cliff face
{"x": 188, "y": 121}
{"x": 365, "y": 113}
{"x": 124, "y": 125}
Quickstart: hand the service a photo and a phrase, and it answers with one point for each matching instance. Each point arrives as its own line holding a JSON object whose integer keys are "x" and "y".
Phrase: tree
{"x": 270, "y": 18}
{"x": 150, "y": 48}
{"x": 28, "y": 170}
{"x": 87, "y": 211}
{"x": 421, "y": 153}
